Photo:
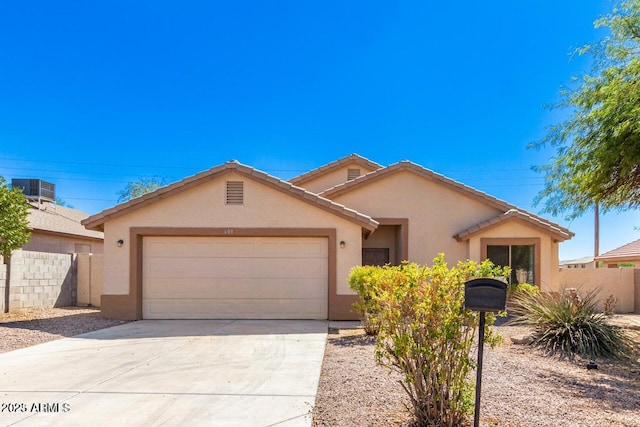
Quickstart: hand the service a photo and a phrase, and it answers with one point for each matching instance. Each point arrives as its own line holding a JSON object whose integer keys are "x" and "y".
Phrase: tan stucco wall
{"x": 45, "y": 242}
{"x": 90, "y": 274}
{"x": 619, "y": 282}
{"x": 204, "y": 206}
{"x": 615, "y": 263}
{"x": 548, "y": 248}
{"x": 333, "y": 178}
{"x": 435, "y": 213}
{"x": 384, "y": 236}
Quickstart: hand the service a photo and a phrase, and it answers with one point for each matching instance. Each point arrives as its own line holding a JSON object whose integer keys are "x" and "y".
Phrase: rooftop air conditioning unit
{"x": 36, "y": 189}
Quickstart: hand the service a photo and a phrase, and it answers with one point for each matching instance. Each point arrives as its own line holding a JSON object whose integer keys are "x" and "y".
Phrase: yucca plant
{"x": 567, "y": 325}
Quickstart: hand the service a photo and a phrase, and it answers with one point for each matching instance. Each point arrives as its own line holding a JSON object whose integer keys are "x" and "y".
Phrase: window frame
{"x": 535, "y": 241}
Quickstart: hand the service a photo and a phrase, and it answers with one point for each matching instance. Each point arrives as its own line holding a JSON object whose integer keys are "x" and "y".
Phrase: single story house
{"x": 625, "y": 256}
{"x": 235, "y": 242}
{"x": 583, "y": 262}
{"x": 58, "y": 229}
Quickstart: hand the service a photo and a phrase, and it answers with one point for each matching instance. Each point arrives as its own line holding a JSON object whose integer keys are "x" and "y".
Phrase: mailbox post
{"x": 483, "y": 295}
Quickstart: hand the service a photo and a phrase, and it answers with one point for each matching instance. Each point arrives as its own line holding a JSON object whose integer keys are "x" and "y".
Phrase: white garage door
{"x": 234, "y": 278}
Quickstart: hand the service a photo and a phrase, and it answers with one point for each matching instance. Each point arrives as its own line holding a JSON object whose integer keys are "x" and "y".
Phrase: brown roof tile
{"x": 514, "y": 214}
{"x": 630, "y": 250}
{"x": 351, "y": 158}
{"x": 96, "y": 222}
{"x": 406, "y": 165}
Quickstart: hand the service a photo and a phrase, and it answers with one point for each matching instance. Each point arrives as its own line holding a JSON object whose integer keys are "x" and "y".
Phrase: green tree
{"x": 14, "y": 228}
{"x": 14, "y": 225}
{"x": 598, "y": 146}
{"x": 140, "y": 188}
{"x": 62, "y": 202}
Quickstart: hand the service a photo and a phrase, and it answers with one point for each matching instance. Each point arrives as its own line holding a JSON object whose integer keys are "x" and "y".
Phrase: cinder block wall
{"x": 41, "y": 279}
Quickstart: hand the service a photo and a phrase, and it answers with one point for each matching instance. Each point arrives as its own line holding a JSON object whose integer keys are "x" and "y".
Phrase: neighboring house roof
{"x": 630, "y": 250}
{"x": 516, "y": 215}
{"x": 96, "y": 222}
{"x": 583, "y": 260}
{"x": 511, "y": 211}
{"x": 52, "y": 218}
{"x": 354, "y": 159}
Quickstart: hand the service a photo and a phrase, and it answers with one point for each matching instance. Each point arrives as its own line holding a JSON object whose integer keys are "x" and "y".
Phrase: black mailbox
{"x": 485, "y": 294}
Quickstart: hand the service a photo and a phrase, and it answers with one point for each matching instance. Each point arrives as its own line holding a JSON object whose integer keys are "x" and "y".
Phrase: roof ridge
{"x": 98, "y": 219}
{"x": 333, "y": 165}
{"x": 409, "y": 165}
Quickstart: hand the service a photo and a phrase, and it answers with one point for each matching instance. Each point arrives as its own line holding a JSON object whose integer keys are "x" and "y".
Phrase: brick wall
{"x": 41, "y": 279}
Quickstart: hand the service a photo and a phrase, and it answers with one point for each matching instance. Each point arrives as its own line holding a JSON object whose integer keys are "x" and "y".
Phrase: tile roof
{"x": 406, "y": 165}
{"x": 96, "y": 222}
{"x": 515, "y": 214}
{"x": 350, "y": 159}
{"x": 60, "y": 219}
{"x": 630, "y": 250}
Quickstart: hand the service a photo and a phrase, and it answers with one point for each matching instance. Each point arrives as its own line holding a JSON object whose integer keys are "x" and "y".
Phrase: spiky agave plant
{"x": 567, "y": 325}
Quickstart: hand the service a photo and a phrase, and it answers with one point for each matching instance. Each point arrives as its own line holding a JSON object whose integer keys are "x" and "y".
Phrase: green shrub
{"x": 425, "y": 332}
{"x": 370, "y": 282}
{"x": 515, "y": 288}
{"x": 567, "y": 325}
{"x": 364, "y": 280}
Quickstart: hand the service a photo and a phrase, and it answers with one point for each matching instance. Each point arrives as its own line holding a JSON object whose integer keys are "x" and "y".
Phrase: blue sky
{"x": 97, "y": 94}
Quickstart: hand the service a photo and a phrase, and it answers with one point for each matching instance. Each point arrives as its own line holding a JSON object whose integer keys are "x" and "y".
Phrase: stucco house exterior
{"x": 234, "y": 242}
{"x": 58, "y": 229}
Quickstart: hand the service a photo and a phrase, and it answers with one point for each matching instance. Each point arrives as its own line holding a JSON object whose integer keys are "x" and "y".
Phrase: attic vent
{"x": 235, "y": 192}
{"x": 352, "y": 174}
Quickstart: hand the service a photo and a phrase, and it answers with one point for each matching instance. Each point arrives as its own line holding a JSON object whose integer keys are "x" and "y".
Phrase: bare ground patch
{"x": 520, "y": 387}
{"x": 27, "y": 327}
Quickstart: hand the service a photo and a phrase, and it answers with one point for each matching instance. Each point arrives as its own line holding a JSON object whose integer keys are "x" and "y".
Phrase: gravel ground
{"x": 28, "y": 327}
{"x": 520, "y": 387}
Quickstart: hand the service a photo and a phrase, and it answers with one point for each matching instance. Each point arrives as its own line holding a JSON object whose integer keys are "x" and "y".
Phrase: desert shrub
{"x": 567, "y": 325}
{"x": 515, "y": 288}
{"x": 364, "y": 280}
{"x": 425, "y": 332}
{"x": 370, "y": 282}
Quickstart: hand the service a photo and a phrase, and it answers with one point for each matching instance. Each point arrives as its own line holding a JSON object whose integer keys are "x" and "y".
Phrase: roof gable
{"x": 407, "y": 166}
{"x": 555, "y": 230}
{"x": 351, "y": 159}
{"x": 96, "y": 222}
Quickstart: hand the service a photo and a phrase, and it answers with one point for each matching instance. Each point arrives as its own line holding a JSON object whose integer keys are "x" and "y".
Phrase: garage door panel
{"x": 234, "y": 268}
{"x": 203, "y": 247}
{"x": 235, "y": 277}
{"x": 234, "y": 309}
{"x": 231, "y": 288}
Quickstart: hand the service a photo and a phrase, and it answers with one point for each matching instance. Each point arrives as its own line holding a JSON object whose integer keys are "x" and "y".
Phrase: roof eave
{"x": 96, "y": 222}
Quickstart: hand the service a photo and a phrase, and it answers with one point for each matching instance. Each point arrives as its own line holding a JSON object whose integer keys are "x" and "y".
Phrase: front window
{"x": 521, "y": 259}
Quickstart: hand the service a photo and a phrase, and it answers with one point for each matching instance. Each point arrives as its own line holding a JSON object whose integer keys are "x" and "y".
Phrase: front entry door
{"x": 375, "y": 256}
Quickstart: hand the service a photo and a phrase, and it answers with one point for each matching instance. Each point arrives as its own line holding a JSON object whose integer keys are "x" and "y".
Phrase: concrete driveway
{"x": 168, "y": 373}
